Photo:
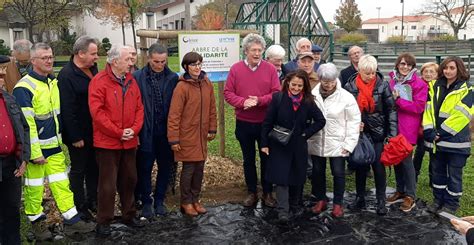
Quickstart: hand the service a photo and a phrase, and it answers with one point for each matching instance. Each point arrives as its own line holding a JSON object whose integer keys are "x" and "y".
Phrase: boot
{"x": 250, "y": 200}
{"x": 199, "y": 208}
{"x": 319, "y": 207}
{"x": 337, "y": 211}
{"x": 147, "y": 211}
{"x": 408, "y": 204}
{"x": 103, "y": 230}
{"x": 381, "y": 209}
{"x": 358, "y": 204}
{"x": 160, "y": 209}
{"x": 268, "y": 200}
{"x": 77, "y": 225}
{"x": 40, "y": 230}
{"x": 189, "y": 210}
{"x": 395, "y": 197}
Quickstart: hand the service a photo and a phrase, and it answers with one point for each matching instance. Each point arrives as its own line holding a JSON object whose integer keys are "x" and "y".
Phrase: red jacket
{"x": 114, "y": 108}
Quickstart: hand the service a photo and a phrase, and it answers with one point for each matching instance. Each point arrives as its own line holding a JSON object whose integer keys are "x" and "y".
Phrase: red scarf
{"x": 364, "y": 99}
{"x": 296, "y": 99}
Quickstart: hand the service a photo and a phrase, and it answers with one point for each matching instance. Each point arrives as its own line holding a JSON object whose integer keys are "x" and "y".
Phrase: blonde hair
{"x": 427, "y": 65}
{"x": 367, "y": 63}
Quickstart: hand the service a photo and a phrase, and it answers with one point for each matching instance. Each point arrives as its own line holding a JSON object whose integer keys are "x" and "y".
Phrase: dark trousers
{"x": 418, "y": 156}
{"x": 190, "y": 183}
{"x": 287, "y": 196}
{"x": 406, "y": 177}
{"x": 162, "y": 153}
{"x": 83, "y": 168}
{"x": 379, "y": 175}
{"x": 318, "y": 182}
{"x": 117, "y": 171}
{"x": 247, "y": 134}
{"x": 10, "y": 190}
{"x": 447, "y": 178}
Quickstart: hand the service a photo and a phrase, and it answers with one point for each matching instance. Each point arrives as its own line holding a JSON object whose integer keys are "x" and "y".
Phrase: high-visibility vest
{"x": 43, "y": 115}
{"x": 455, "y": 113}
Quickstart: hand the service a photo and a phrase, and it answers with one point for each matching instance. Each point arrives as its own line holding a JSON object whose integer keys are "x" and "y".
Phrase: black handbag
{"x": 364, "y": 152}
{"x": 280, "y": 134}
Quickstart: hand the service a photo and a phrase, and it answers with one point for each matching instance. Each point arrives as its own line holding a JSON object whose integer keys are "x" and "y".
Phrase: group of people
{"x": 118, "y": 122}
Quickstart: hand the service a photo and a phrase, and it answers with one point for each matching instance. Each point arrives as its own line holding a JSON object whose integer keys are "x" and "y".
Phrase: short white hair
{"x": 327, "y": 72}
{"x": 368, "y": 63}
{"x": 353, "y": 48}
{"x": 275, "y": 51}
{"x": 115, "y": 52}
{"x": 253, "y": 38}
{"x": 301, "y": 40}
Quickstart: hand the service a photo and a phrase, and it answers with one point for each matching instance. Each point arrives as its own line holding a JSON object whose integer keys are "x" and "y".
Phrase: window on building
{"x": 383, "y": 28}
{"x": 149, "y": 21}
{"x": 165, "y": 11}
{"x": 182, "y": 23}
{"x": 165, "y": 26}
{"x": 176, "y": 25}
{"x": 396, "y": 27}
{"x": 413, "y": 27}
{"x": 171, "y": 25}
{"x": 432, "y": 27}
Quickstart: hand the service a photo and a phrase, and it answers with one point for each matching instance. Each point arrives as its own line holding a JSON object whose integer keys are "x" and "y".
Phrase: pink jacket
{"x": 410, "y": 112}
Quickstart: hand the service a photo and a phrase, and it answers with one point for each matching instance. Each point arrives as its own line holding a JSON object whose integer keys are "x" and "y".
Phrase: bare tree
{"x": 456, "y": 13}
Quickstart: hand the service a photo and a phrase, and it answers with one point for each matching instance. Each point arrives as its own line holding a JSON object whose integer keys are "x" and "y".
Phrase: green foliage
{"x": 446, "y": 37}
{"x": 352, "y": 38}
{"x": 64, "y": 45}
{"x": 348, "y": 16}
{"x": 220, "y": 7}
{"x": 395, "y": 39}
{"x": 4, "y": 50}
{"x": 104, "y": 46}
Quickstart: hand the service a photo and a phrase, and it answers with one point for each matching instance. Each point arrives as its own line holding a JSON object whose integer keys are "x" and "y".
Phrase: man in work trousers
{"x": 38, "y": 95}
{"x": 117, "y": 116}
{"x": 73, "y": 83}
{"x": 14, "y": 153}
{"x": 157, "y": 83}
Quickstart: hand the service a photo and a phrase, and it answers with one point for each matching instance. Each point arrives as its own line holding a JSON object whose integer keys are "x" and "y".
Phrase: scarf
{"x": 364, "y": 99}
{"x": 296, "y": 100}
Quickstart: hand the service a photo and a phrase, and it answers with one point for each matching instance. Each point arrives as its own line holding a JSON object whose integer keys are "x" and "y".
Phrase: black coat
{"x": 170, "y": 82}
{"x": 346, "y": 74}
{"x": 383, "y": 122}
{"x": 21, "y": 128}
{"x": 76, "y": 119}
{"x": 287, "y": 164}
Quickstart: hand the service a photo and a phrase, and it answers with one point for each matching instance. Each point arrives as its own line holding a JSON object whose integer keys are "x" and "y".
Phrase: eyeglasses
{"x": 46, "y": 58}
{"x": 405, "y": 64}
{"x": 196, "y": 65}
{"x": 328, "y": 81}
{"x": 159, "y": 61}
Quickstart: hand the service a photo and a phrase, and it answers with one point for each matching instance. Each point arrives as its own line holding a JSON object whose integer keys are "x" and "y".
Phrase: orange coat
{"x": 192, "y": 117}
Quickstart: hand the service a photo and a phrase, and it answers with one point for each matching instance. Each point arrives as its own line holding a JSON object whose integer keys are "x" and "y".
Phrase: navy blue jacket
{"x": 171, "y": 79}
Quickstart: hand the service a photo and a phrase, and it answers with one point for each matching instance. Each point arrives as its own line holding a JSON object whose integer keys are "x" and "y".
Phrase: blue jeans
{"x": 447, "y": 178}
{"x": 163, "y": 155}
{"x": 247, "y": 134}
{"x": 318, "y": 181}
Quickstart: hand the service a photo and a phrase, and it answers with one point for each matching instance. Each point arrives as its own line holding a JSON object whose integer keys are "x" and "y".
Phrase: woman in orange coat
{"x": 191, "y": 123}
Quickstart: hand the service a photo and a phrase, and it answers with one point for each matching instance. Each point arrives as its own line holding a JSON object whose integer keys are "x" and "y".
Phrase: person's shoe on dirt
{"x": 408, "y": 204}
{"x": 268, "y": 200}
{"x": 188, "y": 209}
{"x": 434, "y": 208}
{"x": 381, "y": 209}
{"x": 396, "y": 197}
{"x": 147, "y": 211}
{"x": 103, "y": 230}
{"x": 283, "y": 217}
{"x": 199, "y": 208}
{"x": 357, "y": 204}
{"x": 319, "y": 207}
{"x": 250, "y": 200}
{"x": 40, "y": 229}
{"x": 77, "y": 225}
{"x": 337, "y": 211}
{"x": 134, "y": 223}
{"x": 160, "y": 209}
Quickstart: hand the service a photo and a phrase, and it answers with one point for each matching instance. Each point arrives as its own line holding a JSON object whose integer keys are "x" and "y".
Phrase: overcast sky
{"x": 368, "y": 9}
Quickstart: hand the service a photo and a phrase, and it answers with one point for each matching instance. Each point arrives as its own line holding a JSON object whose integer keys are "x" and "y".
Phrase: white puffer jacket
{"x": 342, "y": 123}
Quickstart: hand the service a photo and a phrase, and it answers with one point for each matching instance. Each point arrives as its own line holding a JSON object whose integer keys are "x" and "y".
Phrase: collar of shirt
{"x": 252, "y": 68}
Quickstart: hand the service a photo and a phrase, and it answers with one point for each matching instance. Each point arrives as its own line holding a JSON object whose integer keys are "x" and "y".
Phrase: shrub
{"x": 395, "y": 39}
{"x": 446, "y": 37}
{"x": 352, "y": 38}
{"x": 4, "y": 50}
{"x": 104, "y": 47}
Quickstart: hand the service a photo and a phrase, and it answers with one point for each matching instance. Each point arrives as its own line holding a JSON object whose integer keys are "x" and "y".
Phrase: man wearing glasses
{"x": 38, "y": 96}
{"x": 157, "y": 83}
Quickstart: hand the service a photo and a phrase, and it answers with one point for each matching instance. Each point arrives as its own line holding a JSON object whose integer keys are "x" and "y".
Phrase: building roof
{"x": 459, "y": 10}
{"x": 408, "y": 18}
{"x": 163, "y": 4}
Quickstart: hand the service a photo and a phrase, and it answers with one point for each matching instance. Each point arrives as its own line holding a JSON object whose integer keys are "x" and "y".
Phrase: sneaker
{"x": 381, "y": 209}
{"x": 40, "y": 230}
{"x": 396, "y": 197}
{"x": 358, "y": 204}
{"x": 319, "y": 207}
{"x": 160, "y": 209}
{"x": 408, "y": 204}
{"x": 250, "y": 200}
{"x": 78, "y": 227}
{"x": 103, "y": 230}
{"x": 268, "y": 200}
{"x": 337, "y": 211}
{"x": 147, "y": 211}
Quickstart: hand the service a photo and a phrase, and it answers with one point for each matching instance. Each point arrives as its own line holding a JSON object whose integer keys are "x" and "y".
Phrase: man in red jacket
{"x": 117, "y": 116}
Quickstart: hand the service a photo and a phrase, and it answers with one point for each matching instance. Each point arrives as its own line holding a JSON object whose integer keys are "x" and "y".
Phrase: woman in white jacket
{"x": 336, "y": 140}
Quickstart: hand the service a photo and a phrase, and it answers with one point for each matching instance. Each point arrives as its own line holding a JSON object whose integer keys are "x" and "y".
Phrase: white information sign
{"x": 219, "y": 50}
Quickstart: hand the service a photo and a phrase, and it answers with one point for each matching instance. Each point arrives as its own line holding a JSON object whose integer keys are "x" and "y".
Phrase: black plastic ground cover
{"x": 232, "y": 223}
